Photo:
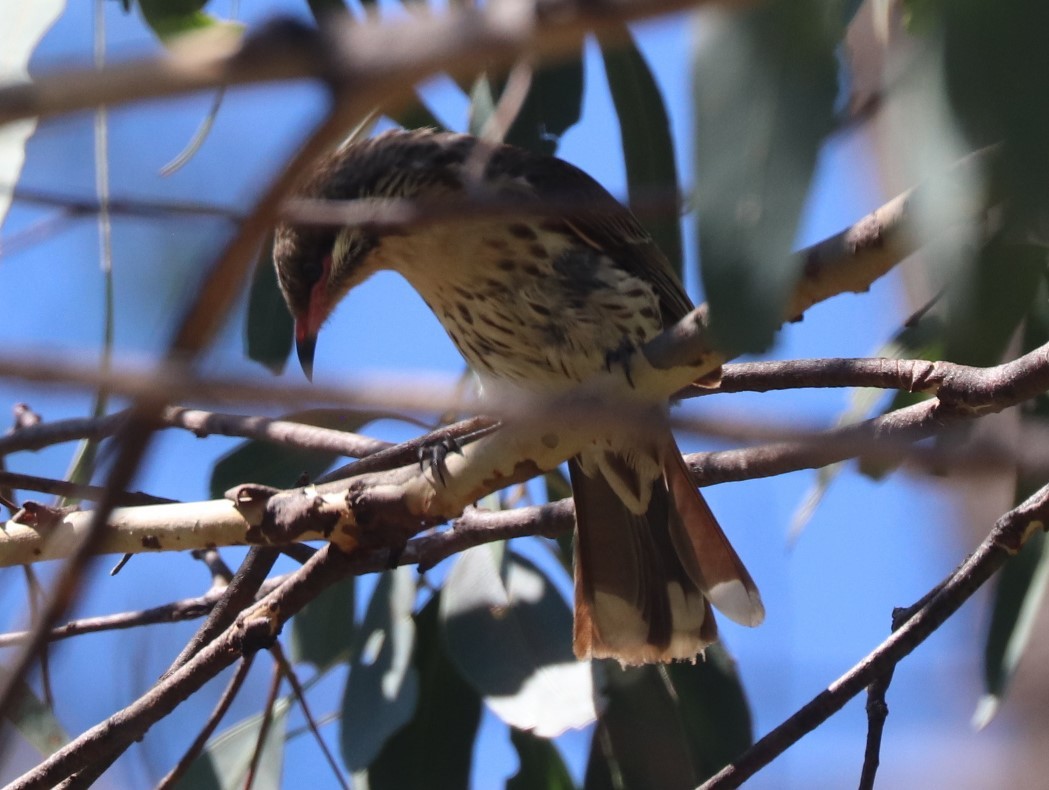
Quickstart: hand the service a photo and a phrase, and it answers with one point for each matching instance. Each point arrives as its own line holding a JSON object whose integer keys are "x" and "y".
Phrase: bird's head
{"x": 316, "y": 267}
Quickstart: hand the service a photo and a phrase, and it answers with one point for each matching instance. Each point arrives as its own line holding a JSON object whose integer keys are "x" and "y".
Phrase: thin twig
{"x": 221, "y": 707}
{"x": 1004, "y": 540}
{"x": 300, "y": 695}
{"x": 264, "y": 726}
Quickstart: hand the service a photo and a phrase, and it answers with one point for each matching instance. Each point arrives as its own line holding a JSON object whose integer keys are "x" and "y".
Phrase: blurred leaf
{"x": 509, "y": 632}
{"x": 268, "y": 329}
{"x": 383, "y": 686}
{"x": 552, "y": 106}
{"x": 541, "y": 766}
{"x": 325, "y": 8}
{"x": 434, "y": 751}
{"x": 985, "y": 308}
{"x": 713, "y": 708}
{"x": 669, "y": 726}
{"x": 417, "y": 115}
{"x": 648, "y": 147}
{"x": 920, "y": 338}
{"x": 1020, "y": 587}
{"x": 169, "y": 19}
{"x": 225, "y": 761}
{"x": 765, "y": 81}
{"x": 322, "y": 632}
{"x": 34, "y": 720}
{"x": 278, "y": 465}
{"x": 995, "y": 59}
{"x": 22, "y": 26}
{"x": 1018, "y": 596}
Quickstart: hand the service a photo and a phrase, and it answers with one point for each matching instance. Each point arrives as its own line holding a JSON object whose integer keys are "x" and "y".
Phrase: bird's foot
{"x": 621, "y": 356}
{"x": 434, "y": 453}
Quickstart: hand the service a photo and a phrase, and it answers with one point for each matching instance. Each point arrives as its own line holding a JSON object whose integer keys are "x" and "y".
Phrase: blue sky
{"x": 870, "y": 547}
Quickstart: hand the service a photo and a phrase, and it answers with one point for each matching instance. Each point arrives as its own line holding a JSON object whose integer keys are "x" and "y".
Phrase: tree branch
{"x": 1005, "y": 540}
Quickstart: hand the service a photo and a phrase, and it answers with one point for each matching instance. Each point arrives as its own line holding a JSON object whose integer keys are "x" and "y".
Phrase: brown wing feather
{"x": 703, "y": 548}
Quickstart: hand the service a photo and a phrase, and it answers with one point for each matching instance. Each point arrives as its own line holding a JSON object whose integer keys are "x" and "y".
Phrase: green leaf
{"x": 541, "y": 766}
{"x": 509, "y": 632}
{"x": 669, "y": 726}
{"x": 322, "y": 633}
{"x": 713, "y": 708}
{"x": 552, "y": 106}
{"x": 22, "y": 26}
{"x": 640, "y": 742}
{"x": 1018, "y": 596}
{"x": 765, "y": 80}
{"x": 278, "y": 465}
{"x": 268, "y": 328}
{"x": 383, "y": 686}
{"x": 558, "y": 487}
{"x": 225, "y": 761}
{"x": 648, "y": 147}
{"x": 34, "y": 720}
{"x": 322, "y": 9}
{"x": 1019, "y": 591}
{"x": 172, "y": 18}
{"x": 987, "y": 304}
{"x": 434, "y": 751}
{"x": 417, "y": 115}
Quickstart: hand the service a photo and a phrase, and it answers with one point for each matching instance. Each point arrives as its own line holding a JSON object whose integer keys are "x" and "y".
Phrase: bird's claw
{"x": 433, "y": 453}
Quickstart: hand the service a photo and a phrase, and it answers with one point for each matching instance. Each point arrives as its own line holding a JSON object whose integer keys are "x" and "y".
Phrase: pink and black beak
{"x": 308, "y": 322}
{"x": 305, "y": 346}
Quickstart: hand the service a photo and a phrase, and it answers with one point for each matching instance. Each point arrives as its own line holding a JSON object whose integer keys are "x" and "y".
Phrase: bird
{"x": 541, "y": 300}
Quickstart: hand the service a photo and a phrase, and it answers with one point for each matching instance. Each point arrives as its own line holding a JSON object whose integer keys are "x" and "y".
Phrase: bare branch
{"x": 1004, "y": 541}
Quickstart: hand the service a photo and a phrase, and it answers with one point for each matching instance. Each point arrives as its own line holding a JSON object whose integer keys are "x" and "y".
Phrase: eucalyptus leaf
{"x": 278, "y": 465}
{"x": 170, "y": 19}
{"x": 435, "y": 749}
{"x": 268, "y": 327}
{"x": 540, "y": 765}
{"x": 648, "y": 147}
{"x": 22, "y": 26}
{"x": 322, "y": 633}
{"x": 225, "y": 761}
{"x": 765, "y": 82}
{"x": 34, "y": 720}
{"x": 383, "y": 687}
{"x": 509, "y": 632}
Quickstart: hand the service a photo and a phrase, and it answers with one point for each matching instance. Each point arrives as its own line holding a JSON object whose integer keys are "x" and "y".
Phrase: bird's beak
{"x": 306, "y": 346}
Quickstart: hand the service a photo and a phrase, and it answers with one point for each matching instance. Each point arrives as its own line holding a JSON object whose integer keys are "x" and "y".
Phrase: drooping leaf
{"x": 268, "y": 327}
{"x": 278, "y": 465}
{"x": 551, "y": 107}
{"x": 22, "y": 26}
{"x": 669, "y": 726}
{"x": 1019, "y": 591}
{"x": 169, "y": 19}
{"x": 322, "y": 633}
{"x": 765, "y": 80}
{"x": 988, "y": 304}
{"x": 713, "y": 707}
{"x": 34, "y": 720}
{"x": 648, "y": 147}
{"x": 1018, "y": 597}
{"x": 640, "y": 742}
{"x": 225, "y": 761}
{"x": 540, "y": 764}
{"x": 434, "y": 750}
{"x": 509, "y": 632}
{"x": 383, "y": 686}
{"x": 920, "y": 338}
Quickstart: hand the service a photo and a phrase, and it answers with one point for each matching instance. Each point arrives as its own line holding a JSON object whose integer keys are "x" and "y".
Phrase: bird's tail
{"x": 644, "y": 581}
